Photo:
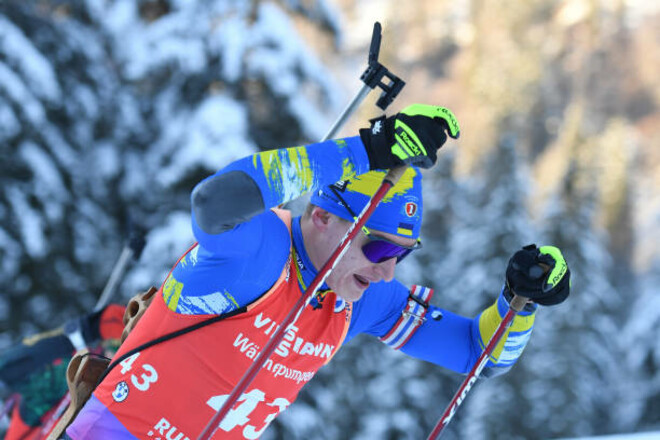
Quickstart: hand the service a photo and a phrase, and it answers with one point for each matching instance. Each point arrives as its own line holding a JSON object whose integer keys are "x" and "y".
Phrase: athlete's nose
{"x": 386, "y": 269}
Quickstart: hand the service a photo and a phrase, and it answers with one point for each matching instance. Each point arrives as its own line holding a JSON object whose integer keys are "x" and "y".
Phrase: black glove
{"x": 526, "y": 277}
{"x": 411, "y": 137}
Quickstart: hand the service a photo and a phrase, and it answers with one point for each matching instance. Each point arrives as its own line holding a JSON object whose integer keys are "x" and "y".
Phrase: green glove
{"x": 411, "y": 137}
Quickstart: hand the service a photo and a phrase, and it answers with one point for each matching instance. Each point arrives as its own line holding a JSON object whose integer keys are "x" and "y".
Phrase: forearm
{"x": 446, "y": 340}
{"x": 253, "y": 184}
{"x": 514, "y": 340}
{"x": 455, "y": 342}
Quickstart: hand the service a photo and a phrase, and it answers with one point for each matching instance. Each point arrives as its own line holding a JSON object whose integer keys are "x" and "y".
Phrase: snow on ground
{"x": 639, "y": 436}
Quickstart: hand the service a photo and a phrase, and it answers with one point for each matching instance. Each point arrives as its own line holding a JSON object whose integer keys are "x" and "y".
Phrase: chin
{"x": 347, "y": 289}
{"x": 352, "y": 296}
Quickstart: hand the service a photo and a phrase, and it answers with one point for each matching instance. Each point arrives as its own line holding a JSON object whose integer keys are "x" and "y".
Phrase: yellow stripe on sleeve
{"x": 490, "y": 319}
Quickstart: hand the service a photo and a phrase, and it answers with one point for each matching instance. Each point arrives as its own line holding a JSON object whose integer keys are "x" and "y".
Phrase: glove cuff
{"x": 365, "y": 136}
{"x": 376, "y": 144}
{"x": 508, "y": 296}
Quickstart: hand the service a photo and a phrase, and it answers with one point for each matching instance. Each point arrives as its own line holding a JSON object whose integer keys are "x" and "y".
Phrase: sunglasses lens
{"x": 378, "y": 251}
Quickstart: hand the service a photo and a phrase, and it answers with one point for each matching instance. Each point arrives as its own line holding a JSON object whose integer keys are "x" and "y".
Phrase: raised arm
{"x": 264, "y": 180}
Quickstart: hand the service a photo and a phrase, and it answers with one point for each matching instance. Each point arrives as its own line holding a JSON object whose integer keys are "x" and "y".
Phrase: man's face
{"x": 354, "y": 272}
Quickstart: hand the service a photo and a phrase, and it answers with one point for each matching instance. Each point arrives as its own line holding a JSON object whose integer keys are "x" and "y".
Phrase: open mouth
{"x": 361, "y": 281}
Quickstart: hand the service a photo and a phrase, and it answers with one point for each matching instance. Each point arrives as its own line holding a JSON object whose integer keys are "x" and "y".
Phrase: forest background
{"x": 111, "y": 111}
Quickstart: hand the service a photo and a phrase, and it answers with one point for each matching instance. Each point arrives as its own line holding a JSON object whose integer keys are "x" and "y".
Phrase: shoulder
{"x": 242, "y": 265}
{"x": 261, "y": 245}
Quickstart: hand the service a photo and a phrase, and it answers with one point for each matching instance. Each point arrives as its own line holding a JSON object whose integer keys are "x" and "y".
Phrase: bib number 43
{"x": 240, "y": 416}
{"x": 144, "y": 377}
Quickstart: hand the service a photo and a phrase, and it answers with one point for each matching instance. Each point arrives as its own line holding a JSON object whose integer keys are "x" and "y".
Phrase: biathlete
{"x": 254, "y": 258}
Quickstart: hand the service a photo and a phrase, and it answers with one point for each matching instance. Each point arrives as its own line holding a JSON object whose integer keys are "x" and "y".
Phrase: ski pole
{"x": 57, "y": 412}
{"x": 131, "y": 251}
{"x": 516, "y": 305}
{"x": 372, "y": 77}
{"x": 9, "y": 404}
{"x": 389, "y": 181}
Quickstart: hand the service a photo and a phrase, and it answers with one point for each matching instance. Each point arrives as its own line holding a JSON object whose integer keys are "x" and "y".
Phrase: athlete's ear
{"x": 320, "y": 218}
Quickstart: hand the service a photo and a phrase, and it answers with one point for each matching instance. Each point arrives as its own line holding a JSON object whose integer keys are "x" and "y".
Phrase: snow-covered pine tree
{"x": 115, "y": 109}
{"x": 471, "y": 274}
{"x": 642, "y": 388}
{"x": 567, "y": 382}
{"x": 60, "y": 103}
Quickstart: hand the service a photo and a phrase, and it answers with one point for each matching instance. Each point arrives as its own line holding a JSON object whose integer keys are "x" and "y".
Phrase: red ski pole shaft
{"x": 516, "y": 305}
{"x": 389, "y": 181}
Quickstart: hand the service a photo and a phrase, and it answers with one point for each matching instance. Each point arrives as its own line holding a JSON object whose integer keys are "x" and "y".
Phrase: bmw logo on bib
{"x": 121, "y": 392}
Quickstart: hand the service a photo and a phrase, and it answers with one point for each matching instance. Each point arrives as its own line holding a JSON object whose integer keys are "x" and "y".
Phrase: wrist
{"x": 507, "y": 296}
{"x": 356, "y": 160}
{"x": 365, "y": 137}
